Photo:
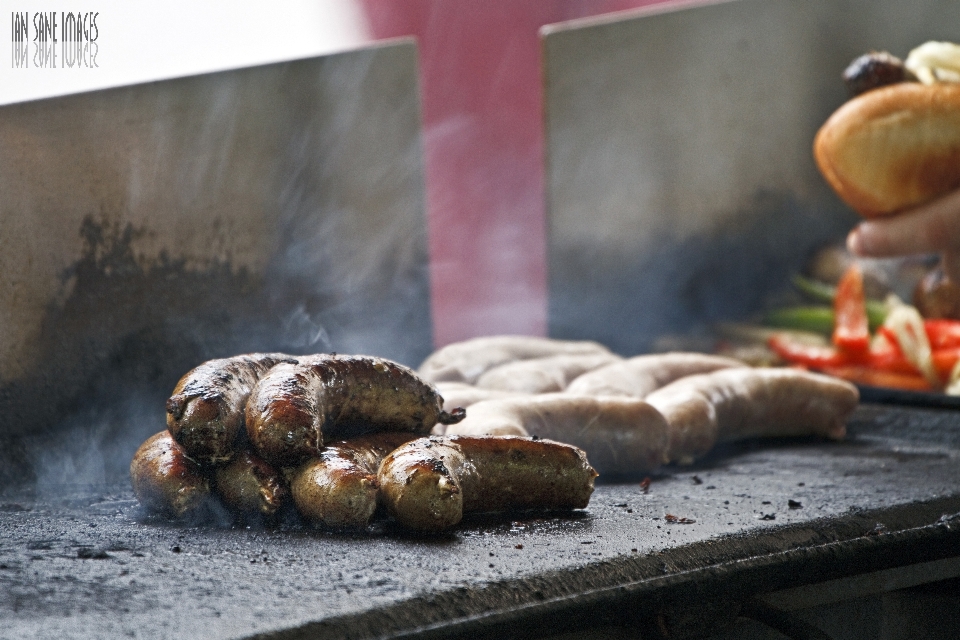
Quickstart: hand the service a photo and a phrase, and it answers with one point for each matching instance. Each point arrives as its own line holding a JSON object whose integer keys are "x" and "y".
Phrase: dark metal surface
{"x": 79, "y": 564}
{"x": 884, "y": 395}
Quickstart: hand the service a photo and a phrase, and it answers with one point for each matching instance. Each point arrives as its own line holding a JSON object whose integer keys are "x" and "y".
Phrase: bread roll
{"x": 893, "y": 148}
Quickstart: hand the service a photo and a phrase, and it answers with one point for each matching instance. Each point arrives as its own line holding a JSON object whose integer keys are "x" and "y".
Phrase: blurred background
{"x": 481, "y": 105}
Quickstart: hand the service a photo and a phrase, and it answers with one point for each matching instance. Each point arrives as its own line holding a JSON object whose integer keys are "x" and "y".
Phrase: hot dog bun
{"x": 892, "y": 148}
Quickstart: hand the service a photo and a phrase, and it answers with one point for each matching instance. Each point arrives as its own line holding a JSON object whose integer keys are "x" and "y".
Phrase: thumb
{"x": 929, "y": 228}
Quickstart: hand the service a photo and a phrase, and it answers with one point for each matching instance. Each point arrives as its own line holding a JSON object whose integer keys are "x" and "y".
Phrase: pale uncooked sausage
{"x": 468, "y": 360}
{"x": 543, "y": 375}
{"x": 733, "y": 404}
{"x": 638, "y": 376}
{"x": 620, "y": 435}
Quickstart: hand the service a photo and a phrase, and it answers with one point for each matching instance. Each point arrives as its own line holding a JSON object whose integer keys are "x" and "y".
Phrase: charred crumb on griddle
{"x": 794, "y": 504}
{"x": 672, "y": 519}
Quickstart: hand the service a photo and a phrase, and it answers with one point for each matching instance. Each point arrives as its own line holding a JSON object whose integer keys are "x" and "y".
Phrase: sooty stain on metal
{"x": 130, "y": 330}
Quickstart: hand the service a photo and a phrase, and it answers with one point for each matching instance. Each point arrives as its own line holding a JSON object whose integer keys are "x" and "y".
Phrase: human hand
{"x": 930, "y": 228}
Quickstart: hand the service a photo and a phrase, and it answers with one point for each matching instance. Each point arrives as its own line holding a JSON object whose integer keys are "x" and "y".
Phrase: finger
{"x": 951, "y": 266}
{"x": 931, "y": 228}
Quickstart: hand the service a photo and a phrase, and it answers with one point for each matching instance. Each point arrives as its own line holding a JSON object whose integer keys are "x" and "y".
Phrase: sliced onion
{"x": 934, "y": 62}
{"x": 953, "y": 386}
{"x": 907, "y": 325}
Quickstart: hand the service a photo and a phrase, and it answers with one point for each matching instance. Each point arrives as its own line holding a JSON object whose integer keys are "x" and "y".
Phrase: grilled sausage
{"x": 296, "y": 408}
{"x": 620, "y": 435}
{"x": 468, "y": 360}
{"x": 205, "y": 412}
{"x": 339, "y": 489}
{"x": 543, "y": 375}
{"x": 428, "y": 484}
{"x": 638, "y": 376}
{"x": 733, "y": 404}
{"x": 165, "y": 480}
{"x": 250, "y": 486}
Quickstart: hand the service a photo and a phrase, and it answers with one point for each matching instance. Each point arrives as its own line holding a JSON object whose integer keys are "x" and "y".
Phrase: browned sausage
{"x": 165, "y": 480}
{"x": 339, "y": 489}
{"x": 205, "y": 412}
{"x": 428, "y": 484}
{"x": 248, "y": 485}
{"x": 296, "y": 408}
{"x": 621, "y": 435}
{"x": 641, "y": 375}
{"x": 745, "y": 403}
{"x": 468, "y": 360}
{"x": 543, "y": 375}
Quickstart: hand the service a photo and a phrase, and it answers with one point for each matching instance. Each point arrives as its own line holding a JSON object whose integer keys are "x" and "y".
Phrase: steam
{"x": 332, "y": 174}
{"x": 95, "y": 446}
{"x": 304, "y": 331}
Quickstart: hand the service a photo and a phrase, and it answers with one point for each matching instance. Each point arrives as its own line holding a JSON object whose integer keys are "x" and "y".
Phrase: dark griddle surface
{"x": 87, "y": 563}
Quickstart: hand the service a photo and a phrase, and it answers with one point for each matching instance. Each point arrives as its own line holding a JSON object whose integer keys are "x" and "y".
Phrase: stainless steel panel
{"x": 146, "y": 228}
{"x": 681, "y": 185}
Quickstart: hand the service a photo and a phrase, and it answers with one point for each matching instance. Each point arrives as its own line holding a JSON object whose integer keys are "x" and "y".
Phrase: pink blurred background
{"x": 484, "y": 146}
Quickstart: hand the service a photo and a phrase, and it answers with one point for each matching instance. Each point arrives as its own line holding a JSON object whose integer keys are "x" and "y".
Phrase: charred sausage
{"x": 620, "y": 435}
{"x": 428, "y": 484}
{"x": 339, "y": 489}
{"x": 543, "y": 375}
{"x": 468, "y": 360}
{"x": 733, "y": 404}
{"x": 250, "y": 486}
{"x": 165, "y": 480}
{"x": 638, "y": 376}
{"x": 296, "y": 408}
{"x": 205, "y": 412}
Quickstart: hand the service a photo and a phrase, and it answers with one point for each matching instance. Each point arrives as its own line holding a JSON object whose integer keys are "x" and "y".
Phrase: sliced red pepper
{"x": 884, "y": 355}
{"x": 891, "y": 361}
{"x": 874, "y": 377}
{"x": 851, "y": 332}
{"x": 944, "y": 360}
{"x": 942, "y": 334}
{"x": 807, "y": 355}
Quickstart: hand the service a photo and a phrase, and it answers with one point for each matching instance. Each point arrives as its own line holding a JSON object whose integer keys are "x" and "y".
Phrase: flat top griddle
{"x": 89, "y": 563}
